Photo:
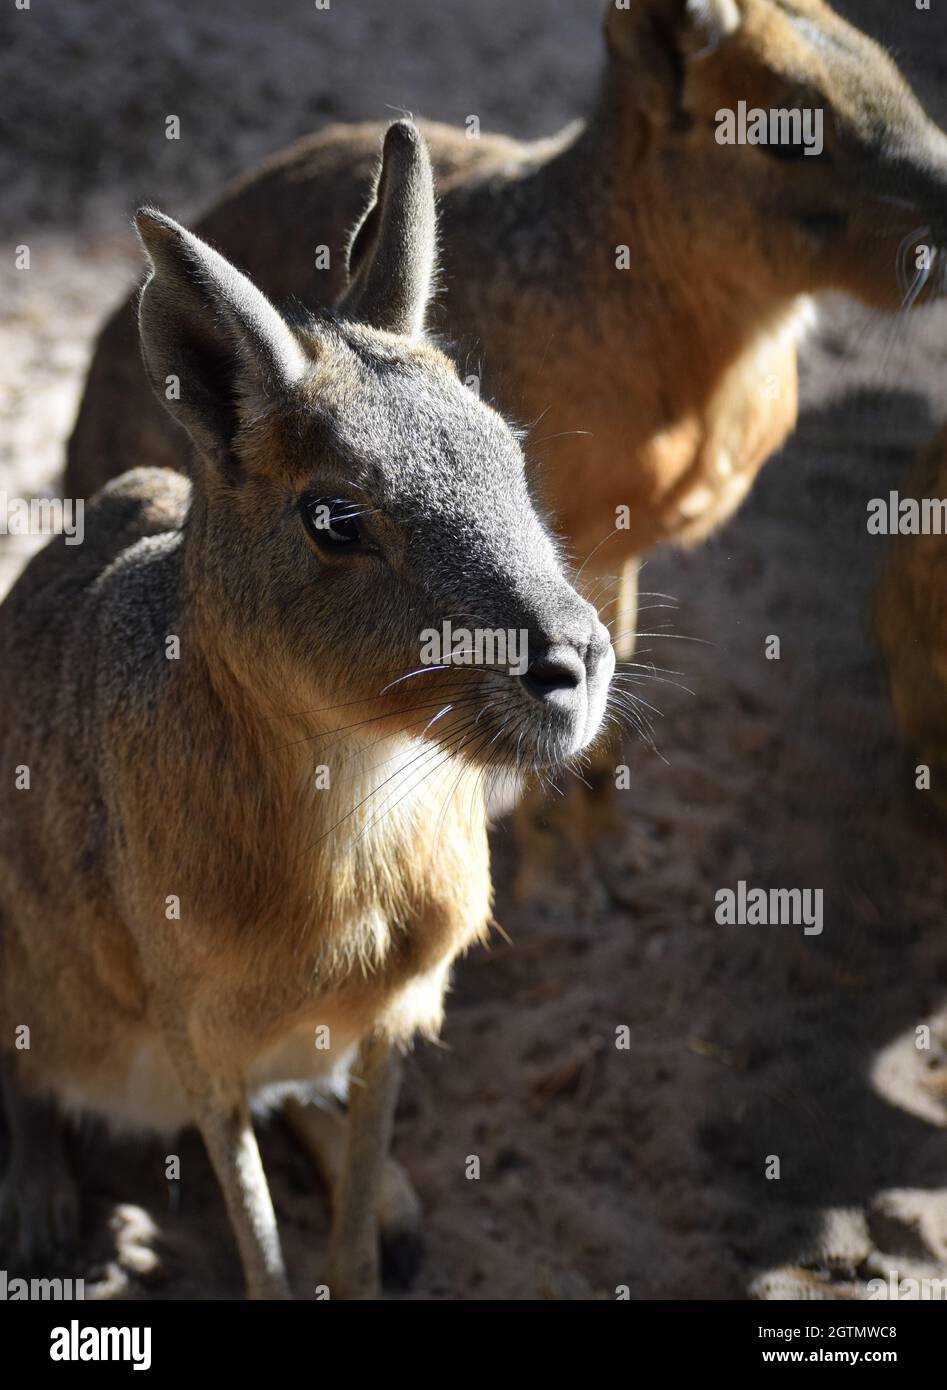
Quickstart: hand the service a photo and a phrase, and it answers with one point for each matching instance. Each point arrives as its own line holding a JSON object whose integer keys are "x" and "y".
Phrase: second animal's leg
{"x": 323, "y": 1130}
{"x": 626, "y": 622}
{"x": 549, "y": 868}
{"x": 373, "y": 1093}
{"x": 601, "y": 801}
{"x": 39, "y": 1199}
{"x": 605, "y": 830}
{"x": 602, "y": 816}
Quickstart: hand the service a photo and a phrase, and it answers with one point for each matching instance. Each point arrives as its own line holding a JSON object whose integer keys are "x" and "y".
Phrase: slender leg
{"x": 626, "y": 623}
{"x": 228, "y": 1135}
{"x": 601, "y": 813}
{"x": 603, "y": 817}
{"x": 605, "y": 830}
{"x": 354, "y": 1255}
{"x": 323, "y": 1131}
{"x": 549, "y": 864}
{"x": 222, "y": 1115}
{"x": 39, "y": 1199}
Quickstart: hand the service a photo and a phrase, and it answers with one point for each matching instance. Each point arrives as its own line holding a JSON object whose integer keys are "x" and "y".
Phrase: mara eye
{"x": 796, "y": 134}
{"x": 788, "y": 151}
{"x": 332, "y": 522}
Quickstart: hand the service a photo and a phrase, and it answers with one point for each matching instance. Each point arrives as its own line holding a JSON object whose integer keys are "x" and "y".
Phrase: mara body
{"x": 243, "y": 839}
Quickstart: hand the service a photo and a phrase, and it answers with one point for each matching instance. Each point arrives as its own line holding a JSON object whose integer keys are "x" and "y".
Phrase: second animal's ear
{"x": 208, "y": 336}
{"x": 655, "y": 39}
{"x": 392, "y": 252}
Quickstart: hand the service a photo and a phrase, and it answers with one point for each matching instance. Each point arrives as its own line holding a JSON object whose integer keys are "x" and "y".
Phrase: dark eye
{"x": 332, "y": 522}
{"x": 789, "y": 152}
{"x": 796, "y": 131}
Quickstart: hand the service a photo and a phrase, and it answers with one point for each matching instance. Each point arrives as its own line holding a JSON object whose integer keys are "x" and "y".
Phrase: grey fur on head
{"x": 353, "y": 408}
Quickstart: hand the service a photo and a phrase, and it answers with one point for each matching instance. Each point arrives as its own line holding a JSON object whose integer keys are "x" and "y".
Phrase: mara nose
{"x": 559, "y": 668}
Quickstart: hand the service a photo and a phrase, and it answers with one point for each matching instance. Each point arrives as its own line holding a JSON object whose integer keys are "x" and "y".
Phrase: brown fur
{"x": 300, "y": 907}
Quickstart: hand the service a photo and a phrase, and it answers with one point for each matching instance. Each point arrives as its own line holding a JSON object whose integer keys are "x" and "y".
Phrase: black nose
{"x": 560, "y": 669}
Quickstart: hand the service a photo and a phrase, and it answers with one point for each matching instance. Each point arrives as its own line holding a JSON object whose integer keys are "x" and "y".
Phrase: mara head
{"x": 361, "y": 545}
{"x": 789, "y": 142}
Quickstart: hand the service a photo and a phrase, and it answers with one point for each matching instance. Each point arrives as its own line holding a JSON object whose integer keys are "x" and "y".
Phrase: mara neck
{"x": 599, "y": 185}
{"x": 262, "y": 711}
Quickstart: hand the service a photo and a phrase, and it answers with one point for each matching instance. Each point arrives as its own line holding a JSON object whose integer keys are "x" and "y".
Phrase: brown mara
{"x": 188, "y": 917}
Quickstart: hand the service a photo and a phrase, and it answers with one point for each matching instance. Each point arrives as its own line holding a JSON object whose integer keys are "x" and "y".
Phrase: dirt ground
{"x": 643, "y": 1167}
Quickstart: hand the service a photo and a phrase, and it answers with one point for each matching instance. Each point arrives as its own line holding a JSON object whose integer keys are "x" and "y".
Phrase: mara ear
{"x": 655, "y": 39}
{"x": 392, "y": 251}
{"x": 209, "y": 338}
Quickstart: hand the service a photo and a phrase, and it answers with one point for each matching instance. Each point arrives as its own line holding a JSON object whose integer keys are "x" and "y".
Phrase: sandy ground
{"x": 600, "y": 1167}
